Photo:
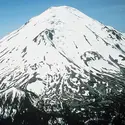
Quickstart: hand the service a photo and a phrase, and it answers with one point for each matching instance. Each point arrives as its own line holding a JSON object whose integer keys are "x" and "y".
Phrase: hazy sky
{"x": 14, "y": 13}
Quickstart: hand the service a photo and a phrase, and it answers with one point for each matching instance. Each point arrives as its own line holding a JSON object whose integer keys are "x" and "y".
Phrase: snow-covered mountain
{"x": 62, "y": 54}
{"x": 123, "y": 34}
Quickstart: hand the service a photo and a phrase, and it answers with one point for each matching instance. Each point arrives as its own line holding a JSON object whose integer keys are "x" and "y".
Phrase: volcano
{"x": 62, "y": 55}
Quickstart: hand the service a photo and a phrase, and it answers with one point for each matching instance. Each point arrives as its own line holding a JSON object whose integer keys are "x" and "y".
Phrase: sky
{"x": 14, "y": 13}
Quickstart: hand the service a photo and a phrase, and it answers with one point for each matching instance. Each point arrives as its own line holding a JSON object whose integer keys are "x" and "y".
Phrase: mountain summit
{"x": 62, "y": 54}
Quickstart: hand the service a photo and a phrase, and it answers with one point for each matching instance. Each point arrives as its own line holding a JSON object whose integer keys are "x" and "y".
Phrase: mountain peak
{"x": 62, "y": 11}
{"x": 60, "y": 7}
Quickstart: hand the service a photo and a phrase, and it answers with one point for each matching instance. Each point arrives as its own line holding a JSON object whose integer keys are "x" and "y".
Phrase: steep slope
{"x": 63, "y": 54}
{"x": 14, "y": 100}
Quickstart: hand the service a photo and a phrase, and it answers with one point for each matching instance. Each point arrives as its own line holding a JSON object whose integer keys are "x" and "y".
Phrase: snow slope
{"x": 55, "y": 54}
{"x": 123, "y": 34}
